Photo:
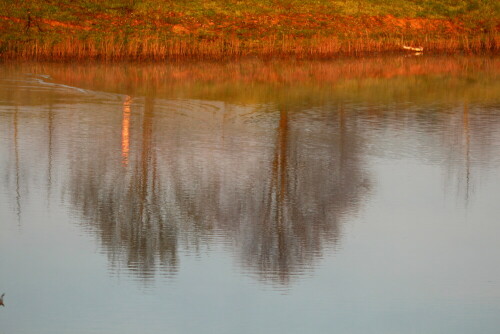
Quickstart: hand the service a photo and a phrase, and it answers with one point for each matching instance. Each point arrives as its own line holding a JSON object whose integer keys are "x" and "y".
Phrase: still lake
{"x": 344, "y": 196}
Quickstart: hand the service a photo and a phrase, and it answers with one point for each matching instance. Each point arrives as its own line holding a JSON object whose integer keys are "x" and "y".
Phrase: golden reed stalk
{"x": 156, "y": 48}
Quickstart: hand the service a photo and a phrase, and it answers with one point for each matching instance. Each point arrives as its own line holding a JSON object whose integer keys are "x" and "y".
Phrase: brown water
{"x": 351, "y": 196}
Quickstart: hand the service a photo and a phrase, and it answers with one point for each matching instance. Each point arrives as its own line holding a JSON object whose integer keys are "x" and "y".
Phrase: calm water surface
{"x": 350, "y": 196}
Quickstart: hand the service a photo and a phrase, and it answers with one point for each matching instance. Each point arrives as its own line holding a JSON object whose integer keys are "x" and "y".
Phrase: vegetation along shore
{"x": 221, "y": 29}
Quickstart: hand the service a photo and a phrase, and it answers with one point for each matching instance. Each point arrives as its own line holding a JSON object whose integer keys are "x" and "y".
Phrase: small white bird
{"x": 1, "y": 299}
{"x": 411, "y": 48}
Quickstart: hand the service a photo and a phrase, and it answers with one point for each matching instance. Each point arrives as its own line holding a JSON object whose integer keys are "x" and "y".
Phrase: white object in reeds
{"x": 411, "y": 48}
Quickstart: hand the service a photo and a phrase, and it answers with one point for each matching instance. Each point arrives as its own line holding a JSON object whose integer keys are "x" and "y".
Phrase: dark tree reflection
{"x": 316, "y": 178}
{"x": 277, "y": 188}
{"x": 125, "y": 205}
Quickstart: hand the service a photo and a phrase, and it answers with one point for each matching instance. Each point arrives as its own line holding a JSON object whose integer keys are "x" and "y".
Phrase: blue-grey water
{"x": 344, "y": 196}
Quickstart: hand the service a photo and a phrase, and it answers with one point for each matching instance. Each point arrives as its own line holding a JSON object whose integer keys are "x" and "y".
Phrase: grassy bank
{"x": 154, "y": 29}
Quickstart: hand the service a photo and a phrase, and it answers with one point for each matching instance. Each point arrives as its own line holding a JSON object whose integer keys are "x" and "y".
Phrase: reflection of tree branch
{"x": 147, "y": 129}
{"x": 467, "y": 151}
{"x": 50, "y": 134}
{"x": 16, "y": 153}
{"x": 342, "y": 131}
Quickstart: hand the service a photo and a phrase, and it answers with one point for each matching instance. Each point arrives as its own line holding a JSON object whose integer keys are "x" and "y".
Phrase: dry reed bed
{"x": 157, "y": 48}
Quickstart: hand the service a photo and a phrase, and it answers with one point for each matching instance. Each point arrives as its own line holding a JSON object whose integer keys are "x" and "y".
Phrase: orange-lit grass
{"x": 217, "y": 48}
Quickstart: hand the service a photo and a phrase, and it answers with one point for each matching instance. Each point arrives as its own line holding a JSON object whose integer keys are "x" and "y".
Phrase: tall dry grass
{"x": 157, "y": 48}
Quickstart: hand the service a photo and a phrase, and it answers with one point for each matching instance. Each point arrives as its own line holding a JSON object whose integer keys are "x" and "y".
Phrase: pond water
{"x": 345, "y": 196}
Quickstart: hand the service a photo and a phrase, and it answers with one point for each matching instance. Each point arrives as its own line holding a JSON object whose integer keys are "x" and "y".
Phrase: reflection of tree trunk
{"x": 282, "y": 189}
{"x": 278, "y": 194}
{"x": 465, "y": 122}
{"x": 50, "y": 137}
{"x": 342, "y": 132}
{"x": 16, "y": 153}
{"x": 147, "y": 129}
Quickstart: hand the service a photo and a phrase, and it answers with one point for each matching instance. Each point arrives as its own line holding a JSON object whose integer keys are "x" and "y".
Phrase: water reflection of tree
{"x": 125, "y": 206}
{"x": 282, "y": 212}
{"x": 316, "y": 178}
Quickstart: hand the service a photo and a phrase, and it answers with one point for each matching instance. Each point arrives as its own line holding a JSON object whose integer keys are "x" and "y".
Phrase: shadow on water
{"x": 154, "y": 168}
